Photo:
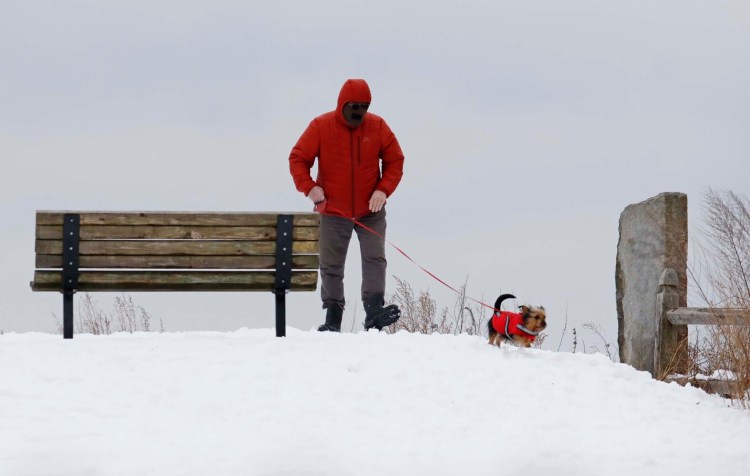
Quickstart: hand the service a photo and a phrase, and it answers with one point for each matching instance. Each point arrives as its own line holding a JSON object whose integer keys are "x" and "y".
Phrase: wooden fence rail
{"x": 670, "y": 352}
{"x": 706, "y": 316}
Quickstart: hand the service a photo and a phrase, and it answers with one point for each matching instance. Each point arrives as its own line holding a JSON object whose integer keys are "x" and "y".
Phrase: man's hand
{"x": 316, "y": 195}
{"x": 377, "y": 201}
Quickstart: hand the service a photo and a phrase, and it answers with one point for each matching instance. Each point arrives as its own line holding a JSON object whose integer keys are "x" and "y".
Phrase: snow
{"x": 248, "y": 403}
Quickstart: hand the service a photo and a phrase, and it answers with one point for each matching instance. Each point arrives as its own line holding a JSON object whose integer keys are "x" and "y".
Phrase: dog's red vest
{"x": 511, "y": 323}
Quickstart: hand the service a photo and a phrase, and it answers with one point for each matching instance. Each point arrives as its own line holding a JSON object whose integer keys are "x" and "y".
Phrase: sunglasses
{"x": 356, "y": 106}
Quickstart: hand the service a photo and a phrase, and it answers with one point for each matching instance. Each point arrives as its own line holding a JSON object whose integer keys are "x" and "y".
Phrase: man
{"x": 351, "y": 146}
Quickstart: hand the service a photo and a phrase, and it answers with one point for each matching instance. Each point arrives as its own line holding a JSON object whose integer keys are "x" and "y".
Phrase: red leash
{"x": 328, "y": 211}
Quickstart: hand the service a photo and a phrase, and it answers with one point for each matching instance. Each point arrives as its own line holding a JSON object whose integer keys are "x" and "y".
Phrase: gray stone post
{"x": 653, "y": 237}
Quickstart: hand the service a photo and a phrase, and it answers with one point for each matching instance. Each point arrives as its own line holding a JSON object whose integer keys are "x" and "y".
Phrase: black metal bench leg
{"x": 283, "y": 277}
{"x": 280, "y": 312}
{"x": 67, "y": 315}
{"x": 71, "y": 252}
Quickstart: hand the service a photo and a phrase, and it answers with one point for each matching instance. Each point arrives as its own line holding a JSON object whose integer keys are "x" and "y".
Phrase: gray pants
{"x": 335, "y": 234}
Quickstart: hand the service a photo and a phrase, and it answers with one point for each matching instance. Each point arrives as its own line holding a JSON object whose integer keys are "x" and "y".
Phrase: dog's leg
{"x": 495, "y": 339}
{"x": 521, "y": 341}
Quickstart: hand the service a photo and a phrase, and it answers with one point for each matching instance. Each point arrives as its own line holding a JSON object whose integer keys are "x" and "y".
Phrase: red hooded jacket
{"x": 349, "y": 159}
{"x": 511, "y": 323}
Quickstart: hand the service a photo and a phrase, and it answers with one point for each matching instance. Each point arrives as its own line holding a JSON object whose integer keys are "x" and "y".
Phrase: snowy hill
{"x": 247, "y": 403}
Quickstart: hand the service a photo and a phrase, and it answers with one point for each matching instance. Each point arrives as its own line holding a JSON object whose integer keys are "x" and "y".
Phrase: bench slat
{"x": 186, "y": 232}
{"x": 177, "y": 262}
{"x": 144, "y": 281}
{"x": 177, "y": 218}
{"x": 175, "y": 247}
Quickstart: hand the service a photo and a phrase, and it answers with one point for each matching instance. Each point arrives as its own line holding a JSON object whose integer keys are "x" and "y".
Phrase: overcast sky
{"x": 528, "y": 126}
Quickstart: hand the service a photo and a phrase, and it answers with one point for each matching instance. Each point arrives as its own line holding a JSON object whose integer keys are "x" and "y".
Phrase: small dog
{"x": 520, "y": 328}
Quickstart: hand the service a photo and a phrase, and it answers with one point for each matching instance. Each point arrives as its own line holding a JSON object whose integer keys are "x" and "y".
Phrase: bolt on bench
{"x": 175, "y": 251}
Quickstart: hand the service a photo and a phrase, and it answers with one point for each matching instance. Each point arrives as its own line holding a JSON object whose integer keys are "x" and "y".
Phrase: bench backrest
{"x": 173, "y": 251}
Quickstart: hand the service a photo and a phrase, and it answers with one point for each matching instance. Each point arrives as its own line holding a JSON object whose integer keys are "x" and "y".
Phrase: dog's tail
{"x": 500, "y": 300}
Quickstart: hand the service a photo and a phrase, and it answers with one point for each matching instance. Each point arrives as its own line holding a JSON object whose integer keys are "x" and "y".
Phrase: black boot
{"x": 378, "y": 316}
{"x": 334, "y": 313}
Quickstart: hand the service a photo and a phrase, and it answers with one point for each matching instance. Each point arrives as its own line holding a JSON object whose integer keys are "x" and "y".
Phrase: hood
{"x": 353, "y": 90}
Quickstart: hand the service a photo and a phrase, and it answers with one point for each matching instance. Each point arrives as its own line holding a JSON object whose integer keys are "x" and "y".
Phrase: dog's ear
{"x": 524, "y": 309}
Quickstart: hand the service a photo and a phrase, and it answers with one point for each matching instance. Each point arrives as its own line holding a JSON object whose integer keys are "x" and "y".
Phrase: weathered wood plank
{"x": 176, "y": 247}
{"x": 45, "y": 217}
{"x": 177, "y": 262}
{"x": 184, "y": 232}
{"x": 708, "y": 316}
{"x": 714, "y": 386}
{"x": 146, "y": 281}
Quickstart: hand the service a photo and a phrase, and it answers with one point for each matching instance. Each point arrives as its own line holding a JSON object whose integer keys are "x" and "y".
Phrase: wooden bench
{"x": 175, "y": 251}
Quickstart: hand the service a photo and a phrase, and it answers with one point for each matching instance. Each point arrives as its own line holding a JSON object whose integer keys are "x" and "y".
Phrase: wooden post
{"x": 670, "y": 343}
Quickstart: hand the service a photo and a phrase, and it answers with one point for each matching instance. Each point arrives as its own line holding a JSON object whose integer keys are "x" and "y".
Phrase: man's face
{"x": 354, "y": 113}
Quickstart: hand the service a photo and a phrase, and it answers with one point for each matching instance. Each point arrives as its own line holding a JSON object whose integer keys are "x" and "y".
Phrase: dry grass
{"x": 720, "y": 276}
{"x": 601, "y": 344}
{"x": 724, "y": 354}
{"x": 125, "y": 316}
{"x": 419, "y": 312}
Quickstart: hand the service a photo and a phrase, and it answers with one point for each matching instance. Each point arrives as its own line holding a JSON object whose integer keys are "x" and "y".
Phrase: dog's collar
{"x": 527, "y": 331}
